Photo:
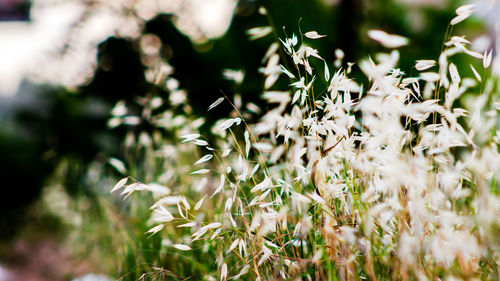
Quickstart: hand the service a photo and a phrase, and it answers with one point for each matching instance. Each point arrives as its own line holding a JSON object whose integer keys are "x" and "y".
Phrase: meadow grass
{"x": 390, "y": 180}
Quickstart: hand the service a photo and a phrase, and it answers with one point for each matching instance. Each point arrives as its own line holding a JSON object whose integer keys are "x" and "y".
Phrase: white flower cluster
{"x": 390, "y": 177}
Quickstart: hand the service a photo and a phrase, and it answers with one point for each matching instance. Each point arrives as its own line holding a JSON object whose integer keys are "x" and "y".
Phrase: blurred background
{"x": 66, "y": 64}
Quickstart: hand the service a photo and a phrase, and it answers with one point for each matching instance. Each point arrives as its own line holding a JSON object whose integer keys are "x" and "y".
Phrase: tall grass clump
{"x": 386, "y": 180}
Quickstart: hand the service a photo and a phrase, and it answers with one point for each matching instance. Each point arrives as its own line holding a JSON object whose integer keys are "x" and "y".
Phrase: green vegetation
{"x": 334, "y": 179}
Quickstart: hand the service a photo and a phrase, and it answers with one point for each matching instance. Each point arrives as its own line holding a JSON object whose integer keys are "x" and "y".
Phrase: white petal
{"x": 226, "y": 152}
{"x": 288, "y": 73}
{"x": 162, "y": 215}
{"x": 190, "y": 137}
{"x": 119, "y": 184}
{"x": 270, "y": 51}
{"x": 455, "y": 77}
{"x": 182, "y": 247}
{"x": 242, "y": 272}
{"x": 294, "y": 40}
{"x": 233, "y": 245}
{"x": 199, "y": 203}
{"x": 204, "y": 159}
{"x": 202, "y": 171}
{"x": 212, "y": 225}
{"x": 459, "y": 18}
{"x": 131, "y": 120}
{"x": 228, "y": 123}
{"x": 223, "y": 272}
{"x": 465, "y": 9}
{"x": 339, "y": 54}
{"x": 327, "y": 72}
{"x": 263, "y": 147}
{"x": 229, "y": 204}
{"x": 296, "y": 96}
{"x": 197, "y": 235}
{"x": 216, "y": 103}
{"x": 232, "y": 75}
{"x": 156, "y": 229}
{"x": 221, "y": 184}
{"x": 313, "y": 35}
{"x": 271, "y": 79}
{"x": 474, "y": 54}
{"x": 216, "y": 232}
{"x": 189, "y": 224}
{"x": 276, "y": 96}
{"x": 247, "y": 143}
{"x": 259, "y": 32}
{"x": 118, "y": 165}
{"x": 478, "y": 77}
{"x": 262, "y": 185}
{"x": 487, "y": 59}
{"x": 430, "y": 76}
{"x": 200, "y": 142}
{"x": 424, "y": 64}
